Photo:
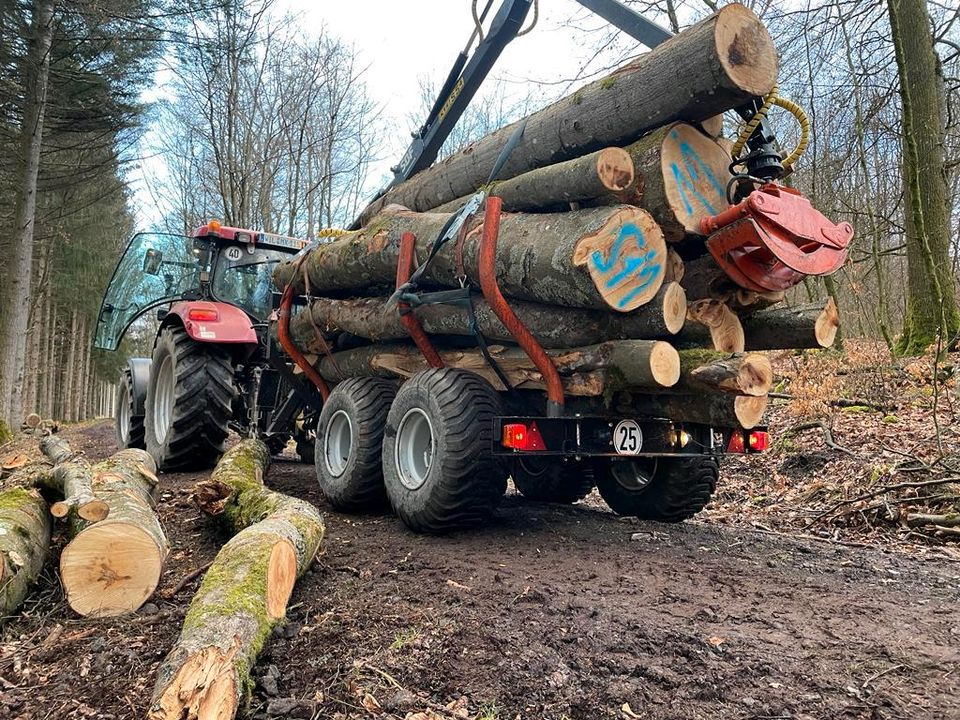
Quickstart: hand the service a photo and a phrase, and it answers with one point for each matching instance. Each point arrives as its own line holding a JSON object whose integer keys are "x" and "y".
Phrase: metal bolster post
{"x": 493, "y": 296}
{"x": 410, "y": 321}
{"x": 286, "y": 342}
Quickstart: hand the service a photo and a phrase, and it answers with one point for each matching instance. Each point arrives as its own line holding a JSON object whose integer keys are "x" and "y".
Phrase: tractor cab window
{"x": 155, "y": 269}
{"x": 244, "y": 277}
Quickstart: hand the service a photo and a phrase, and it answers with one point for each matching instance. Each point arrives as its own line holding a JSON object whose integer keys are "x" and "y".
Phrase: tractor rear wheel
{"x": 552, "y": 480}
{"x": 666, "y": 489}
{"x": 130, "y": 430}
{"x": 438, "y": 467}
{"x": 189, "y": 401}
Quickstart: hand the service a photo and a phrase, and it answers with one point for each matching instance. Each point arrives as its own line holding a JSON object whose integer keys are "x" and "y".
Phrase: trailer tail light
{"x": 736, "y": 444}
{"x": 519, "y": 436}
{"x": 203, "y": 314}
{"x": 758, "y": 440}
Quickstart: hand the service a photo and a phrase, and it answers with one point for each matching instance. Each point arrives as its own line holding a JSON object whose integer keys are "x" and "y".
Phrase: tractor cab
{"x": 216, "y": 264}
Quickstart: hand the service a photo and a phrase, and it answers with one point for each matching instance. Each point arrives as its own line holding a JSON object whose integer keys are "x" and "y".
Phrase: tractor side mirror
{"x": 152, "y": 260}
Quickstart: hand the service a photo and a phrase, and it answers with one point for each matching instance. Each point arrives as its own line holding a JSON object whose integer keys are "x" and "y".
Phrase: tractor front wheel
{"x": 189, "y": 401}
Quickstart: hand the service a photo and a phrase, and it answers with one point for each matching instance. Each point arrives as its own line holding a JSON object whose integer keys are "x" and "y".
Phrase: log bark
{"x": 552, "y": 326}
{"x": 598, "y": 258}
{"x": 718, "y": 410}
{"x": 716, "y": 65}
{"x": 112, "y": 566}
{"x": 25, "y": 528}
{"x": 813, "y": 325}
{"x": 73, "y": 479}
{"x": 590, "y": 370}
{"x": 584, "y": 178}
{"x": 243, "y": 595}
{"x": 713, "y": 372}
{"x": 681, "y": 176}
{"x": 703, "y": 279}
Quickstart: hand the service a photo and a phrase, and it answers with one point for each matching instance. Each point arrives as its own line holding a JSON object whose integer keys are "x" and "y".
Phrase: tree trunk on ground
{"x": 552, "y": 326}
{"x": 805, "y": 326}
{"x": 112, "y": 567}
{"x": 15, "y": 290}
{"x": 714, "y": 66}
{"x": 25, "y": 528}
{"x": 931, "y": 299}
{"x": 713, "y": 372}
{"x": 623, "y": 363}
{"x": 584, "y": 178}
{"x": 718, "y": 410}
{"x": 600, "y": 258}
{"x": 244, "y": 593}
{"x": 681, "y": 177}
{"x": 73, "y": 479}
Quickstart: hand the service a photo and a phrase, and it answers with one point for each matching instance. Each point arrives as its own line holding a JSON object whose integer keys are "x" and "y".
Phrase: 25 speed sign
{"x": 627, "y": 438}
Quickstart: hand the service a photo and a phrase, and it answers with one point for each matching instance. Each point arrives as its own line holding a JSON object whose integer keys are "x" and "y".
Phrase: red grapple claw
{"x": 774, "y": 238}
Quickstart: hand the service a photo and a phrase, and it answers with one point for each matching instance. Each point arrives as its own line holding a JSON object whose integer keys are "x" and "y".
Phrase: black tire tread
{"x": 470, "y": 481}
{"x": 203, "y": 402}
{"x": 370, "y": 399}
{"x": 561, "y": 482}
{"x": 137, "y": 432}
{"x": 681, "y": 488}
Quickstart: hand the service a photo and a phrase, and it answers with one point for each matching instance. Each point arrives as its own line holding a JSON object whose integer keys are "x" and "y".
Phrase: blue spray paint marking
{"x": 641, "y": 267}
{"x": 694, "y": 166}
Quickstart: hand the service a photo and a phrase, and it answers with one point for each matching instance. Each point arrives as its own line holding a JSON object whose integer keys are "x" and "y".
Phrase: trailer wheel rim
{"x": 123, "y": 413}
{"x": 634, "y": 475}
{"x": 338, "y": 443}
{"x": 163, "y": 402}
{"x": 414, "y": 449}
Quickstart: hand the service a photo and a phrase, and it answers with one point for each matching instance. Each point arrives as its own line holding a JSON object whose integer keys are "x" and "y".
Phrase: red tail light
{"x": 203, "y": 314}
{"x": 758, "y": 440}
{"x": 736, "y": 444}
{"x": 520, "y": 437}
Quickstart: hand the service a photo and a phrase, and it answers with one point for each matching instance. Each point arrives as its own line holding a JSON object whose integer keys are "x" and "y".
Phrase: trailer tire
{"x": 129, "y": 425}
{"x": 189, "y": 401}
{"x": 348, "y": 445}
{"x": 663, "y": 489}
{"x": 551, "y": 480}
{"x": 438, "y": 466}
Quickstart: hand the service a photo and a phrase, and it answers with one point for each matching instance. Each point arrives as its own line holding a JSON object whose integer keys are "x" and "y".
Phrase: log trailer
{"x": 431, "y": 435}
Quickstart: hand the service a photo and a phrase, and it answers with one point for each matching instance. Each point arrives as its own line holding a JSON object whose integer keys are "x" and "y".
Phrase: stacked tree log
{"x": 599, "y": 252}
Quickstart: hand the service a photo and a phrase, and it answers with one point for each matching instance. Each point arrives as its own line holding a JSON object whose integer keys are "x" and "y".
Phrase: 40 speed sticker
{"x": 627, "y": 438}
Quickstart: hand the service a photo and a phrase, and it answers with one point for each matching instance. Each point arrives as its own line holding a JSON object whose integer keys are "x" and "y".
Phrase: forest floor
{"x": 790, "y": 598}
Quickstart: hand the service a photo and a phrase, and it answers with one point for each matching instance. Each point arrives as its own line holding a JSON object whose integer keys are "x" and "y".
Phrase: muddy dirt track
{"x": 550, "y": 612}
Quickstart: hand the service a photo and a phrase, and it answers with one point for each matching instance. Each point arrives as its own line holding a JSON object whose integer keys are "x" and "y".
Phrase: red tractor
{"x": 214, "y": 366}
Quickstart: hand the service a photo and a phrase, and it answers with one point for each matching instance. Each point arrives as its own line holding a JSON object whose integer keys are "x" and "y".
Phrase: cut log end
{"x": 110, "y": 569}
{"x": 91, "y": 510}
{"x": 827, "y": 324}
{"x": 665, "y": 364}
{"x": 626, "y": 258}
{"x": 726, "y": 330}
{"x": 204, "y": 688}
{"x": 749, "y": 410}
{"x": 281, "y": 577}
{"x": 746, "y": 50}
{"x": 755, "y": 376}
{"x": 615, "y": 169}
{"x": 695, "y": 172}
{"x": 674, "y": 307}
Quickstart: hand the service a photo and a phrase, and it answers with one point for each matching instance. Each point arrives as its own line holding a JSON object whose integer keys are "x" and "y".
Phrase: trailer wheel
{"x": 349, "y": 441}
{"x": 189, "y": 401}
{"x": 438, "y": 467}
{"x": 662, "y": 489}
{"x": 551, "y": 480}
{"x": 130, "y": 430}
